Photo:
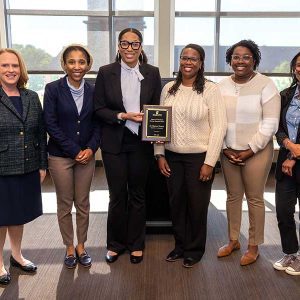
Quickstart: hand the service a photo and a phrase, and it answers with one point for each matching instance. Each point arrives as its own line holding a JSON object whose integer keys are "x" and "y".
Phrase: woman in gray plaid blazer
{"x": 23, "y": 159}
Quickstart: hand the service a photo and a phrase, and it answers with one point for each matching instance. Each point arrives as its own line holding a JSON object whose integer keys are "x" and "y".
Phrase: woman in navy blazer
{"x": 74, "y": 139}
{"x": 288, "y": 172}
{"x": 121, "y": 90}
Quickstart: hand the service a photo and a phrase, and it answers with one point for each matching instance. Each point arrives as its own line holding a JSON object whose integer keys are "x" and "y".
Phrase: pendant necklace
{"x": 238, "y": 87}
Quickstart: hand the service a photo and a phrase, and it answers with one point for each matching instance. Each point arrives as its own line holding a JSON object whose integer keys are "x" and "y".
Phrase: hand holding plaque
{"x": 157, "y": 123}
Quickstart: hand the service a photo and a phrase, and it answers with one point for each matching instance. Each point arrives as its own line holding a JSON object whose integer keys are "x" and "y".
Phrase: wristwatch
{"x": 157, "y": 156}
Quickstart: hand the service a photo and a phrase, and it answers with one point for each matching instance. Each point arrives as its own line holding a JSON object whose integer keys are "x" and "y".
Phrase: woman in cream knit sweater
{"x": 198, "y": 129}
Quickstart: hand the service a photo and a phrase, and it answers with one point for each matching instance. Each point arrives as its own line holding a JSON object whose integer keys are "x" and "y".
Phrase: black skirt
{"x": 20, "y": 198}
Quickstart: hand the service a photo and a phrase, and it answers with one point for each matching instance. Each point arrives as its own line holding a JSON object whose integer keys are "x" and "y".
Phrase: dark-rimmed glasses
{"x": 126, "y": 44}
{"x": 244, "y": 58}
{"x": 191, "y": 59}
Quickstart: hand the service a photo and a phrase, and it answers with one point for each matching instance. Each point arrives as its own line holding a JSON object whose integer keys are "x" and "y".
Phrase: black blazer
{"x": 108, "y": 101}
{"x": 69, "y": 131}
{"x": 282, "y": 133}
{"x": 22, "y": 138}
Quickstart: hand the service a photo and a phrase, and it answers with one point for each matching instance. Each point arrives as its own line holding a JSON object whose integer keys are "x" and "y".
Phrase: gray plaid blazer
{"x": 22, "y": 138}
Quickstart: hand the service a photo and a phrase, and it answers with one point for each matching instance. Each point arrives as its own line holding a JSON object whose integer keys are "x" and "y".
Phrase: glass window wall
{"x": 197, "y": 31}
{"x": 40, "y": 29}
{"x": 59, "y": 4}
{"x": 259, "y": 5}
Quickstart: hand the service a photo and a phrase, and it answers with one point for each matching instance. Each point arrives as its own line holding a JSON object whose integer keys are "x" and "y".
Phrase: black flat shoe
{"x": 70, "y": 261}
{"x": 84, "y": 259}
{"x": 135, "y": 259}
{"x": 5, "y": 279}
{"x": 111, "y": 258}
{"x": 29, "y": 268}
{"x": 189, "y": 262}
{"x": 174, "y": 256}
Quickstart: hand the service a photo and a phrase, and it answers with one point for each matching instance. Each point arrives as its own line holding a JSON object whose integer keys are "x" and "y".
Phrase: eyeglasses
{"x": 191, "y": 59}
{"x": 244, "y": 58}
{"x": 126, "y": 44}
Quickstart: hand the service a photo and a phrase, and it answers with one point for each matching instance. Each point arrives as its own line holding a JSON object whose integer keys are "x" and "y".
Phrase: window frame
{"x": 110, "y": 14}
{"x": 161, "y": 15}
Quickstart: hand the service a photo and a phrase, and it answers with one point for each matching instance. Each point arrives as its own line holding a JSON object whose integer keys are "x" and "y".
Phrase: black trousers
{"x": 287, "y": 193}
{"x": 127, "y": 174}
{"x": 189, "y": 200}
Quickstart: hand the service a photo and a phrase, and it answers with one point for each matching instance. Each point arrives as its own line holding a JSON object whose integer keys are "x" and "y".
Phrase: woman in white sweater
{"x": 198, "y": 128}
{"x": 252, "y": 105}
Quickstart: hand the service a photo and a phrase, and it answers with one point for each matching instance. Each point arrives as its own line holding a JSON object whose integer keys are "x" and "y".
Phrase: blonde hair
{"x": 23, "y": 70}
{"x": 75, "y": 47}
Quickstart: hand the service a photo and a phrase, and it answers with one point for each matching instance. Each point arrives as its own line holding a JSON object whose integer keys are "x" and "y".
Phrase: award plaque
{"x": 157, "y": 123}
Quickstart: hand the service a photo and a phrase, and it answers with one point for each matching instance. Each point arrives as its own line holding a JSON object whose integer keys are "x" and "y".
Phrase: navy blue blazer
{"x": 69, "y": 131}
{"x": 22, "y": 138}
{"x": 108, "y": 102}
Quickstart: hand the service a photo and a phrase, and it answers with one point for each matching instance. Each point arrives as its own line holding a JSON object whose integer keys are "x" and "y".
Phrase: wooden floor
{"x": 154, "y": 278}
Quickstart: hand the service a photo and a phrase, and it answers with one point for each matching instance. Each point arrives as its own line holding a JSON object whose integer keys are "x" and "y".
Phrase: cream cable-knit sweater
{"x": 198, "y": 121}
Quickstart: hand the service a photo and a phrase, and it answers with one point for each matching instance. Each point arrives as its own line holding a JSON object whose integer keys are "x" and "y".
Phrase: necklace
{"x": 237, "y": 88}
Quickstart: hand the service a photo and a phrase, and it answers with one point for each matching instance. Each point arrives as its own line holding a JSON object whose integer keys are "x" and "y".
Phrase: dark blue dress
{"x": 20, "y": 195}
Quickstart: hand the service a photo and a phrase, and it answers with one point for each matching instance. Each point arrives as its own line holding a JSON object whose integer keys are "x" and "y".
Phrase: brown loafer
{"x": 248, "y": 258}
{"x": 227, "y": 250}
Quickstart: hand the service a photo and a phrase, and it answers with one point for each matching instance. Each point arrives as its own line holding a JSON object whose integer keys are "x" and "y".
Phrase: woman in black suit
{"x": 74, "y": 137}
{"x": 288, "y": 172}
{"x": 122, "y": 88}
{"x": 23, "y": 158}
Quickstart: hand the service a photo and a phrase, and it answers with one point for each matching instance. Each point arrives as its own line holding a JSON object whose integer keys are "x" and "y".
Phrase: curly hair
{"x": 199, "y": 82}
{"x": 143, "y": 59}
{"x": 249, "y": 44}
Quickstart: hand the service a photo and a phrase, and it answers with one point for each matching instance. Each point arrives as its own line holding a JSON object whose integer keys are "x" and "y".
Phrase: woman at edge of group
{"x": 288, "y": 172}
{"x": 23, "y": 158}
{"x": 252, "y": 105}
{"x": 74, "y": 138}
{"x": 121, "y": 90}
{"x": 187, "y": 162}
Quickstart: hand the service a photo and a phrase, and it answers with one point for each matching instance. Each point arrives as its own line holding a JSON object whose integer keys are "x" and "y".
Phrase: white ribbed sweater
{"x": 198, "y": 121}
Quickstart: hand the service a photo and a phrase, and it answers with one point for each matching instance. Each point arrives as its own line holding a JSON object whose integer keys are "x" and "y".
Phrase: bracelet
{"x": 158, "y": 156}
